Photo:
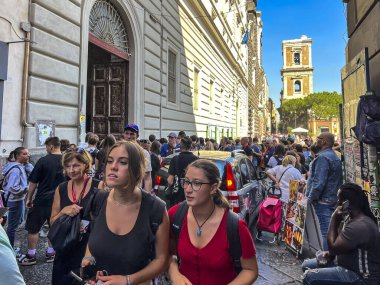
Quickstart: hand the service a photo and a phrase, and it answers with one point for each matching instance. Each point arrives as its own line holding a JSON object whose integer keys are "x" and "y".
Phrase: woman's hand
{"x": 71, "y": 210}
{"x": 179, "y": 279}
{"x": 112, "y": 279}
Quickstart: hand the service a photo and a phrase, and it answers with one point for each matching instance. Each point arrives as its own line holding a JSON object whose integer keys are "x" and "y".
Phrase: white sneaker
{"x": 43, "y": 233}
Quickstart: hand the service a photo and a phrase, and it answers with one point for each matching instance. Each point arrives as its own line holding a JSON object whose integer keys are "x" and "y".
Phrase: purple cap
{"x": 132, "y": 127}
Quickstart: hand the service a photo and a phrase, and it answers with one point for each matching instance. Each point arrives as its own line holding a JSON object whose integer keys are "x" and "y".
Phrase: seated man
{"x": 353, "y": 237}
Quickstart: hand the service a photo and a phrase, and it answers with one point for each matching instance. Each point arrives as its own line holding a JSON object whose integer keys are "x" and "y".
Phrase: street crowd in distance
{"x": 107, "y": 226}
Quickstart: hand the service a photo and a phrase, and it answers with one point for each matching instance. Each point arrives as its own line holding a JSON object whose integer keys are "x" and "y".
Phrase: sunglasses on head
{"x": 77, "y": 149}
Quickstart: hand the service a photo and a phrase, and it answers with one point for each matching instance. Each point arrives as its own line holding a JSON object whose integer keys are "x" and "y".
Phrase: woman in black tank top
{"x": 68, "y": 195}
{"x": 130, "y": 237}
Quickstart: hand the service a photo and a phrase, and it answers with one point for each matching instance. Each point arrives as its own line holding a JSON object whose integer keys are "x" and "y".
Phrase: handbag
{"x": 65, "y": 232}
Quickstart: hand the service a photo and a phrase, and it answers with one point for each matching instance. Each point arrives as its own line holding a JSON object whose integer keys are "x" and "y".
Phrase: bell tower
{"x": 297, "y": 70}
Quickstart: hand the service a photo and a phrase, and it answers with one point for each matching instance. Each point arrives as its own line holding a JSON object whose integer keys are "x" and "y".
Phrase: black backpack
{"x": 232, "y": 232}
{"x": 367, "y": 129}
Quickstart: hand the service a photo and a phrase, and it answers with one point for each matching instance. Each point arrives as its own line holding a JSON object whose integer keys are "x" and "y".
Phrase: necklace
{"x": 199, "y": 229}
{"x": 74, "y": 196}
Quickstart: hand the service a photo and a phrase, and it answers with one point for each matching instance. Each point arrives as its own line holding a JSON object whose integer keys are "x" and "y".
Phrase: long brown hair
{"x": 212, "y": 173}
{"x": 136, "y": 162}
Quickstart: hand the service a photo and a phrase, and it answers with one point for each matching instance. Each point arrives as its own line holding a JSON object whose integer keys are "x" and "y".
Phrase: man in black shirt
{"x": 47, "y": 174}
{"x": 247, "y": 148}
{"x": 177, "y": 167}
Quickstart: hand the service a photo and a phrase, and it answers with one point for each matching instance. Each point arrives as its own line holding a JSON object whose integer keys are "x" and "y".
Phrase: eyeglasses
{"x": 144, "y": 141}
{"x": 195, "y": 185}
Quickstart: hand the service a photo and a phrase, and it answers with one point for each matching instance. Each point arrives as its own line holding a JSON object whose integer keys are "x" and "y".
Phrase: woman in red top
{"x": 202, "y": 243}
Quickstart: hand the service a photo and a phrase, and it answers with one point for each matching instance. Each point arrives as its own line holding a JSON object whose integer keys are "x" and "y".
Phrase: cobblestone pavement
{"x": 277, "y": 265}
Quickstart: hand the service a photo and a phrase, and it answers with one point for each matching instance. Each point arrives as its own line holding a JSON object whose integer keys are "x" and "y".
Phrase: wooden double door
{"x": 108, "y": 102}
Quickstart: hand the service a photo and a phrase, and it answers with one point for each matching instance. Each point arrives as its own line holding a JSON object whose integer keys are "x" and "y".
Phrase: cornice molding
{"x": 201, "y": 10}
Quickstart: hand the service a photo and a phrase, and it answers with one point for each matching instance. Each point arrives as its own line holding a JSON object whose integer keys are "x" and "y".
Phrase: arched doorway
{"x": 107, "y": 71}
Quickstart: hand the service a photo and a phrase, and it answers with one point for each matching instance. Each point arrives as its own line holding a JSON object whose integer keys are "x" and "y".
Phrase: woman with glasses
{"x": 71, "y": 198}
{"x": 130, "y": 237}
{"x": 203, "y": 246}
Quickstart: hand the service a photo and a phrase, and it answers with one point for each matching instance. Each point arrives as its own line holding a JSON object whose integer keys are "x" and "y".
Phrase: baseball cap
{"x": 132, "y": 127}
{"x": 172, "y": 134}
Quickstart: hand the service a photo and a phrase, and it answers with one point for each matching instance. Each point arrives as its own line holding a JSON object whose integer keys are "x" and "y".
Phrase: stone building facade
{"x": 92, "y": 65}
{"x": 297, "y": 70}
{"x": 257, "y": 83}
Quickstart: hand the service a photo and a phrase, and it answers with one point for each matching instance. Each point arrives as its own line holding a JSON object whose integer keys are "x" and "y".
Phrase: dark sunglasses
{"x": 78, "y": 150}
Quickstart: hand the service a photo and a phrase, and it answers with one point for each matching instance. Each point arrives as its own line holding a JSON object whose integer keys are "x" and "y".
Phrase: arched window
{"x": 107, "y": 25}
{"x": 297, "y": 58}
{"x": 297, "y": 86}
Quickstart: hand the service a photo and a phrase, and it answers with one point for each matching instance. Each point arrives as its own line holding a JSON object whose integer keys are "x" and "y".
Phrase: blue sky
{"x": 324, "y": 21}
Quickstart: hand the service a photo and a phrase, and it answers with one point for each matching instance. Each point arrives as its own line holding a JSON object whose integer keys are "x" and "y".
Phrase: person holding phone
{"x": 122, "y": 240}
{"x": 70, "y": 198}
{"x": 354, "y": 238}
{"x": 16, "y": 187}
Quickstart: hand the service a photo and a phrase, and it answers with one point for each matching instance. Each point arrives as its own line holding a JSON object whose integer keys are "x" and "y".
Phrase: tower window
{"x": 297, "y": 86}
{"x": 297, "y": 58}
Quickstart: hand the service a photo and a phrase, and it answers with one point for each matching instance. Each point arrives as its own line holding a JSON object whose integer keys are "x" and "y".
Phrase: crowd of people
{"x": 126, "y": 232}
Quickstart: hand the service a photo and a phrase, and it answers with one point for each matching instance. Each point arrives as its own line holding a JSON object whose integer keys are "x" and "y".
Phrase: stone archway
{"x": 133, "y": 57}
{"x": 107, "y": 73}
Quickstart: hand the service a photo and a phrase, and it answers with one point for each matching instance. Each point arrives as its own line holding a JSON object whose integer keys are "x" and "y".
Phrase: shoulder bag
{"x": 65, "y": 232}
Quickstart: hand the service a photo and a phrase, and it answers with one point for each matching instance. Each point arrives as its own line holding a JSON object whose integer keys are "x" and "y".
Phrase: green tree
{"x": 324, "y": 104}
{"x": 294, "y": 112}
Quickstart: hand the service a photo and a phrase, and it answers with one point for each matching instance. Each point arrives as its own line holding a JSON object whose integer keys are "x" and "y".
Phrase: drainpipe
{"x": 24, "y": 91}
{"x": 161, "y": 66}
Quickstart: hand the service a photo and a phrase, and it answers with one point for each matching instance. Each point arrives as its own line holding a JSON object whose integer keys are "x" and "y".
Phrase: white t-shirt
{"x": 291, "y": 174}
{"x": 148, "y": 163}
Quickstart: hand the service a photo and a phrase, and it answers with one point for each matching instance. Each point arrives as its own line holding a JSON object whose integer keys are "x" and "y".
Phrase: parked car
{"x": 241, "y": 183}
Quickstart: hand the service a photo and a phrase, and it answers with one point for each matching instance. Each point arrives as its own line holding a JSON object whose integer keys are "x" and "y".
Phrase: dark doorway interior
{"x": 107, "y": 98}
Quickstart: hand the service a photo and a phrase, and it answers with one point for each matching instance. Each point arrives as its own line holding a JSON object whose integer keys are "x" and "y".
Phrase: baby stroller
{"x": 270, "y": 215}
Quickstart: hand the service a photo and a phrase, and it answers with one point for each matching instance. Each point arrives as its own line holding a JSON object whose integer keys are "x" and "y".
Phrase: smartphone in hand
{"x": 346, "y": 207}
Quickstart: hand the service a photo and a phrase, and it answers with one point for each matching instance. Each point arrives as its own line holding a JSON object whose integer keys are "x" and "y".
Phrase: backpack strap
{"x": 178, "y": 217}
{"x": 234, "y": 239}
{"x": 155, "y": 215}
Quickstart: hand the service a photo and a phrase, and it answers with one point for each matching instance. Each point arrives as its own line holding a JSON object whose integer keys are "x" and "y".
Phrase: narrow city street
{"x": 277, "y": 265}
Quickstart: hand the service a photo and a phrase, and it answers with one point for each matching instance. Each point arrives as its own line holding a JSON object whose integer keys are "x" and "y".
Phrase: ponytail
{"x": 12, "y": 156}
{"x": 14, "y": 153}
{"x": 220, "y": 200}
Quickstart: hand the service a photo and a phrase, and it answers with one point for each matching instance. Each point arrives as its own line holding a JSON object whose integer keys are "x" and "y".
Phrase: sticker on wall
{"x": 45, "y": 129}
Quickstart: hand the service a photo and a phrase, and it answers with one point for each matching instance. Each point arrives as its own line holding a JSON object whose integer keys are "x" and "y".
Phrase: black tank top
{"x": 75, "y": 255}
{"x": 123, "y": 254}
{"x": 64, "y": 194}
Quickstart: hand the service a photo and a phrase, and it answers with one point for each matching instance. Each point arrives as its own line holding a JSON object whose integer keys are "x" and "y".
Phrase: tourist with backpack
{"x": 15, "y": 186}
{"x": 130, "y": 235}
{"x": 278, "y": 156}
{"x": 209, "y": 244}
{"x": 177, "y": 169}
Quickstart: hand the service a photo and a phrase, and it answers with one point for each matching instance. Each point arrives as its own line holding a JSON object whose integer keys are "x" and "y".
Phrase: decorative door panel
{"x": 109, "y": 99}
